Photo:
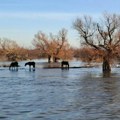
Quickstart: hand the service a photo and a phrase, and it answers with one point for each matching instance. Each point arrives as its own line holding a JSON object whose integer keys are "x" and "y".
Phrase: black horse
{"x": 65, "y": 64}
{"x": 31, "y": 64}
{"x": 14, "y": 66}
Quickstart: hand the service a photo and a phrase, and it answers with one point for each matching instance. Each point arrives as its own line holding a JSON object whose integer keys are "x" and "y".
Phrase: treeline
{"x": 52, "y": 48}
{"x": 100, "y": 41}
{"x": 10, "y": 50}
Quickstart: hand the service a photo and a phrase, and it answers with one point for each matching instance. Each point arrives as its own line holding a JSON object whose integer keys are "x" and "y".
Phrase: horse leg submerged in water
{"x": 14, "y": 66}
{"x": 30, "y": 64}
{"x": 64, "y": 64}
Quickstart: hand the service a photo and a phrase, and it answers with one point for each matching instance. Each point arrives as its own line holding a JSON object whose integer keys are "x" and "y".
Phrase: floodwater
{"x": 55, "y": 94}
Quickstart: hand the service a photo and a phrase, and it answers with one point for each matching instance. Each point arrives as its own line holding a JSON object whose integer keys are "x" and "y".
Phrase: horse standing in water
{"x": 65, "y": 64}
{"x": 14, "y": 66}
{"x": 31, "y": 64}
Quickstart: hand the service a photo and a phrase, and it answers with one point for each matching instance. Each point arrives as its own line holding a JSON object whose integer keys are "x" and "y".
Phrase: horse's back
{"x": 30, "y": 63}
{"x": 14, "y": 64}
{"x": 65, "y": 63}
{"x": 33, "y": 63}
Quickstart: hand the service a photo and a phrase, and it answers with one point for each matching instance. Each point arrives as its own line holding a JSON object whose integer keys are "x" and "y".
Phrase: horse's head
{"x": 25, "y": 64}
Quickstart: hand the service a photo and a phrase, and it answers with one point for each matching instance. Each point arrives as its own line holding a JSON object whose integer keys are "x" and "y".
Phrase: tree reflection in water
{"x": 106, "y": 74}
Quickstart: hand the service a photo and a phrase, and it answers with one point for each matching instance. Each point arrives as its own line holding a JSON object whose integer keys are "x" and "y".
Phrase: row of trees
{"x": 53, "y": 47}
{"x": 101, "y": 37}
{"x": 10, "y": 50}
{"x": 100, "y": 40}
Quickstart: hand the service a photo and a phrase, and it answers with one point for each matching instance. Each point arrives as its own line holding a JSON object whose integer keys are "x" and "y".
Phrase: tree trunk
{"x": 49, "y": 58}
{"x": 55, "y": 59}
{"x": 106, "y": 65}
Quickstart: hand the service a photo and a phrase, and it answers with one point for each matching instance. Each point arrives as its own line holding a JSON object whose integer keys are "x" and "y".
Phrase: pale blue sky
{"x": 21, "y": 19}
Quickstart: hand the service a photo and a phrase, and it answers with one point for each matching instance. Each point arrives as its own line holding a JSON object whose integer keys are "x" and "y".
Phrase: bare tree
{"x": 104, "y": 35}
{"x": 53, "y": 45}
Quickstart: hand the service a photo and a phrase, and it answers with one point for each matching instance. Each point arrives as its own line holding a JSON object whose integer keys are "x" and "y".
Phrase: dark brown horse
{"x": 14, "y": 66}
{"x": 65, "y": 64}
{"x": 31, "y": 64}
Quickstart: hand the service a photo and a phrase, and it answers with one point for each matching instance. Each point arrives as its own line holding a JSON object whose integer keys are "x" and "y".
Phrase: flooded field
{"x": 55, "y": 94}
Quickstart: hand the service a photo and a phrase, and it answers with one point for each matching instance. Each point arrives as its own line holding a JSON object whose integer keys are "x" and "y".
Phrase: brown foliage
{"x": 11, "y": 50}
{"x": 54, "y": 46}
{"x": 88, "y": 54}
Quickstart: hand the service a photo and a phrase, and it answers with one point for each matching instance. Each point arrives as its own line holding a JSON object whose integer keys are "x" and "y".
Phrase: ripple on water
{"x": 55, "y": 94}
